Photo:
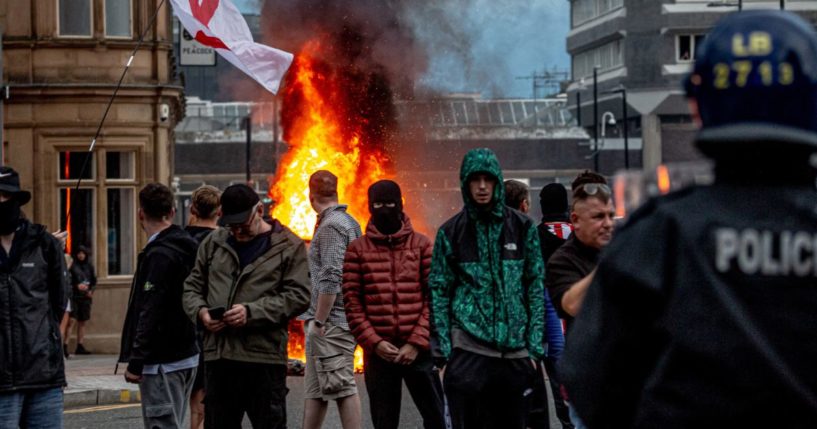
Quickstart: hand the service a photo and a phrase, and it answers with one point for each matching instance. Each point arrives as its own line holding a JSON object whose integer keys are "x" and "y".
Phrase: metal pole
{"x": 626, "y": 131}
{"x": 248, "y": 128}
{"x": 782, "y": 4}
{"x": 579, "y": 107}
{"x": 275, "y": 129}
{"x": 740, "y": 5}
{"x": 595, "y": 120}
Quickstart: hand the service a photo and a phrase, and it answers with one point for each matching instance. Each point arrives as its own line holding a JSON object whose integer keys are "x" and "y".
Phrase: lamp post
{"x": 624, "y": 121}
{"x": 248, "y": 128}
{"x": 595, "y": 119}
{"x": 606, "y": 118}
{"x": 581, "y": 87}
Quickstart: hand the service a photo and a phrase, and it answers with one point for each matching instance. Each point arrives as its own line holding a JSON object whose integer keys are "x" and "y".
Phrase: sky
{"x": 507, "y": 40}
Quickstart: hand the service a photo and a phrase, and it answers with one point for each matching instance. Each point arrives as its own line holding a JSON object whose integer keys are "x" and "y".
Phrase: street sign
{"x": 194, "y": 53}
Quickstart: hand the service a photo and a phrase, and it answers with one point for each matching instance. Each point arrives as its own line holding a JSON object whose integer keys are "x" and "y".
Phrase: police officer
{"x": 703, "y": 313}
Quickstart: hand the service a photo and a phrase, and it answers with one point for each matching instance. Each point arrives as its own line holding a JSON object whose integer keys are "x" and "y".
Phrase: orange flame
{"x": 67, "y": 171}
{"x": 664, "y": 184}
{"x": 322, "y": 137}
{"x": 323, "y": 134}
{"x": 297, "y": 340}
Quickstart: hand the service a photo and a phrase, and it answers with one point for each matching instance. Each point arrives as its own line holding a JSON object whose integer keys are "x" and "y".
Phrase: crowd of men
{"x": 698, "y": 314}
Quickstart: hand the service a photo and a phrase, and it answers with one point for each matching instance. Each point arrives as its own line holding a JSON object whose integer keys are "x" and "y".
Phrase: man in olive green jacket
{"x": 250, "y": 278}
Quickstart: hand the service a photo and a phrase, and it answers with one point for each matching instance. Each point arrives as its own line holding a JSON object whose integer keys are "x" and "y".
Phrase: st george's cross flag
{"x": 219, "y": 25}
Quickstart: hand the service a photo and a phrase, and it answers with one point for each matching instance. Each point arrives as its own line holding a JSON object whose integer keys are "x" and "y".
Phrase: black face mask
{"x": 9, "y": 216}
{"x": 388, "y": 220}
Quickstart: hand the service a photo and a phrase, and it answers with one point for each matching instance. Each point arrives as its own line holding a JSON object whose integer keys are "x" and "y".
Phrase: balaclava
{"x": 388, "y": 220}
{"x": 9, "y": 216}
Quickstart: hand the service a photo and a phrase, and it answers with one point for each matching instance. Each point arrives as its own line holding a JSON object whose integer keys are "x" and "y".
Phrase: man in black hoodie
{"x": 158, "y": 340}
{"x": 34, "y": 289}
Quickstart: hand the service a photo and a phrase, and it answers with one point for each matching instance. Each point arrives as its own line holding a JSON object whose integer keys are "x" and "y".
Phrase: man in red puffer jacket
{"x": 386, "y": 296}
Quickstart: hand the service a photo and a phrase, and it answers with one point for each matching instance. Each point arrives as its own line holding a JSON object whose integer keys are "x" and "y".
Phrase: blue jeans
{"x": 34, "y": 409}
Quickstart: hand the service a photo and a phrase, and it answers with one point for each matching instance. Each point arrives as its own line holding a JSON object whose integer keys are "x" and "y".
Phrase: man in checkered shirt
{"x": 330, "y": 345}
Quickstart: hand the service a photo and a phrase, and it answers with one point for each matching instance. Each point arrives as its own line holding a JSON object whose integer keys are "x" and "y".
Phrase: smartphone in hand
{"x": 216, "y": 313}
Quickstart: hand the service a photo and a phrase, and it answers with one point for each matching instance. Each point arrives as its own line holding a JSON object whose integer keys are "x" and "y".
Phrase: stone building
{"x": 61, "y": 60}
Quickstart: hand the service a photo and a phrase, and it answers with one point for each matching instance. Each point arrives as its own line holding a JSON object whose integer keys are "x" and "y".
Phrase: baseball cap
{"x": 10, "y": 183}
{"x": 237, "y": 204}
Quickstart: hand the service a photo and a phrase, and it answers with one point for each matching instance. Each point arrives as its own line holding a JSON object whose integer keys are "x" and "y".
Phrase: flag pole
{"x": 139, "y": 43}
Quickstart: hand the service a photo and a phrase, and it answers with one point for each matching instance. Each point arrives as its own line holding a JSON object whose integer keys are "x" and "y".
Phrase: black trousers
{"x": 562, "y": 412}
{"x": 539, "y": 414}
{"x": 235, "y": 388}
{"x": 486, "y": 392}
{"x": 384, "y": 384}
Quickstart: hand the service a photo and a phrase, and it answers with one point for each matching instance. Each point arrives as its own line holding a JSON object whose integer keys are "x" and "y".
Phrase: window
{"x": 75, "y": 18}
{"x": 105, "y": 204}
{"x": 118, "y": 18}
{"x": 585, "y": 10}
{"x": 119, "y": 165}
{"x": 77, "y": 217}
{"x": 121, "y": 232}
{"x": 685, "y": 47}
{"x": 72, "y": 163}
{"x": 605, "y": 57}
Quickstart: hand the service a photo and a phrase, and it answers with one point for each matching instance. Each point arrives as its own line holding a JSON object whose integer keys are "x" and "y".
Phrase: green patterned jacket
{"x": 486, "y": 272}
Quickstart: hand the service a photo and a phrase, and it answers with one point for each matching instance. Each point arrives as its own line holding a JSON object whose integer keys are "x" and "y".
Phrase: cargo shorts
{"x": 329, "y": 363}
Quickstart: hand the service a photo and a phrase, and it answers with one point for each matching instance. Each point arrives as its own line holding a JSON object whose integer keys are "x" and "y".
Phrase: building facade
{"x": 646, "y": 48}
{"x": 536, "y": 141}
{"x": 61, "y": 61}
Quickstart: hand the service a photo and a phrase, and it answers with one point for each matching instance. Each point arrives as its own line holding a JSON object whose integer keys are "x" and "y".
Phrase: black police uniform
{"x": 703, "y": 310}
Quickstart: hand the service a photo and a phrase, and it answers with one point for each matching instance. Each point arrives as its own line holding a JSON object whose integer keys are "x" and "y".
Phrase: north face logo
{"x": 510, "y": 246}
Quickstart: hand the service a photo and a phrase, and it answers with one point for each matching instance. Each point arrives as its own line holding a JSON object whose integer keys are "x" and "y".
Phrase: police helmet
{"x": 755, "y": 81}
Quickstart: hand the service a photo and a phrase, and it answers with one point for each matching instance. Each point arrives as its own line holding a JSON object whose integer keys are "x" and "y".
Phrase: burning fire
{"x": 67, "y": 172}
{"x": 322, "y": 135}
{"x": 332, "y": 123}
{"x": 296, "y": 345}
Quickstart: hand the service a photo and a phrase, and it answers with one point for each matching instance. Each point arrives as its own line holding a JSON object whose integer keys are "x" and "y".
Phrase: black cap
{"x": 237, "y": 204}
{"x": 553, "y": 201}
{"x": 10, "y": 184}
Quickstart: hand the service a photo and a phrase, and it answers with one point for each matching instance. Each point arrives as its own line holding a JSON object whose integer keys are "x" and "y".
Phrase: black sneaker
{"x": 81, "y": 350}
{"x": 65, "y": 351}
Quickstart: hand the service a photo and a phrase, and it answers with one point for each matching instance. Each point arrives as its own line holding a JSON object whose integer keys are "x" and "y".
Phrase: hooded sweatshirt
{"x": 486, "y": 274}
{"x": 156, "y": 328}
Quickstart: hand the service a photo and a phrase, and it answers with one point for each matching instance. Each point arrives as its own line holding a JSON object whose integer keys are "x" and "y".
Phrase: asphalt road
{"x": 129, "y": 416}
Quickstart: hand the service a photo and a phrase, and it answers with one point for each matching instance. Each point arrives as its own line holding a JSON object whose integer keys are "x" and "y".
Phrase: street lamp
{"x": 625, "y": 120}
{"x": 596, "y": 118}
{"x": 611, "y": 119}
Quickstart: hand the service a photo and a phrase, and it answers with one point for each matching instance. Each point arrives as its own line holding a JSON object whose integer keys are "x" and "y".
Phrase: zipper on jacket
{"x": 7, "y": 281}
{"x": 395, "y": 316}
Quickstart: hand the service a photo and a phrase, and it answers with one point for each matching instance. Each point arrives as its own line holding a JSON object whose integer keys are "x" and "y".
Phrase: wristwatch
{"x": 318, "y": 323}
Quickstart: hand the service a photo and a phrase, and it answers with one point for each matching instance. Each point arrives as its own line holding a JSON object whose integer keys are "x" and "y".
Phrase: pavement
{"x": 96, "y": 397}
{"x": 91, "y": 381}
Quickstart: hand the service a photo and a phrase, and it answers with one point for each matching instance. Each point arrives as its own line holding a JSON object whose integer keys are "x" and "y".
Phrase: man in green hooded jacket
{"x": 488, "y": 302}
